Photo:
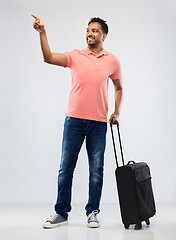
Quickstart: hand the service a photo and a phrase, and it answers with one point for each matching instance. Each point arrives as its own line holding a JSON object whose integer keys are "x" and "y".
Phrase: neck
{"x": 96, "y": 49}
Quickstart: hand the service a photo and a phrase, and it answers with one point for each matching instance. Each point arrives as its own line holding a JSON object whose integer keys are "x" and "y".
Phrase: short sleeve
{"x": 69, "y": 59}
{"x": 116, "y": 74}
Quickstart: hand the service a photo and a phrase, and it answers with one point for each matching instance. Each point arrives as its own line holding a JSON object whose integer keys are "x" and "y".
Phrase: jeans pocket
{"x": 67, "y": 118}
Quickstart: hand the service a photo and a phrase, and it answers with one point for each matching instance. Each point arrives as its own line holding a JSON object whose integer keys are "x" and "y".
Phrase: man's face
{"x": 94, "y": 35}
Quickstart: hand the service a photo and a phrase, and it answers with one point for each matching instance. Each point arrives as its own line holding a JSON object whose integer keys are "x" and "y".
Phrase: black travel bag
{"x": 134, "y": 190}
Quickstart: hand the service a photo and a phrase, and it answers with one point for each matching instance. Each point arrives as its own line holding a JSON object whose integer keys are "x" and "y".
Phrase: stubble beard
{"x": 92, "y": 45}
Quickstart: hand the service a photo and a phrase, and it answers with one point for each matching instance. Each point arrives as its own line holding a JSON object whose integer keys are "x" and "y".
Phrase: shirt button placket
{"x": 96, "y": 65}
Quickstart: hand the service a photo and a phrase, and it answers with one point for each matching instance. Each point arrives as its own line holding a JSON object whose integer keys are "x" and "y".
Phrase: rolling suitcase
{"x": 134, "y": 187}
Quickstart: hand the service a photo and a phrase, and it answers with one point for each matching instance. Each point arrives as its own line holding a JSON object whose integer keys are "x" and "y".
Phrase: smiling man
{"x": 86, "y": 117}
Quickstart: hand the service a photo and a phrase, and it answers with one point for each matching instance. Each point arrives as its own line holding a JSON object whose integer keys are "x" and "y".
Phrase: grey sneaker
{"x": 54, "y": 221}
{"x": 92, "y": 220}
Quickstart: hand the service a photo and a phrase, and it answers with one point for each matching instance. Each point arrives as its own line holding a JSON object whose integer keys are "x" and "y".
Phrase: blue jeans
{"x": 75, "y": 131}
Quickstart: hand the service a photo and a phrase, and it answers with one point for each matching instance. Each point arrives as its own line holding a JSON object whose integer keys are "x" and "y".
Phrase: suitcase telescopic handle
{"x": 112, "y": 134}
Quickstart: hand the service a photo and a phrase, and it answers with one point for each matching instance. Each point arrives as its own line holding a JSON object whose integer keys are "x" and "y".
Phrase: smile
{"x": 90, "y": 38}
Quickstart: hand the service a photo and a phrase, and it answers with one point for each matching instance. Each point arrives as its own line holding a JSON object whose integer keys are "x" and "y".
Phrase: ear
{"x": 104, "y": 36}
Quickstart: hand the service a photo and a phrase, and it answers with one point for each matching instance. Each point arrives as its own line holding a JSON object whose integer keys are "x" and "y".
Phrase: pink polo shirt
{"x": 89, "y": 91}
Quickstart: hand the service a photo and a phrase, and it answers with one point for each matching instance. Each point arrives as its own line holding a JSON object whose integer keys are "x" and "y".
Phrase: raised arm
{"x": 59, "y": 59}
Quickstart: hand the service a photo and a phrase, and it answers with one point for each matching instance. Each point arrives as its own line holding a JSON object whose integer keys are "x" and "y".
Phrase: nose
{"x": 90, "y": 34}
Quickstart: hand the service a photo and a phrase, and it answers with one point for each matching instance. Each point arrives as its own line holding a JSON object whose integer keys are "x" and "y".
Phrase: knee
{"x": 64, "y": 171}
{"x": 96, "y": 174}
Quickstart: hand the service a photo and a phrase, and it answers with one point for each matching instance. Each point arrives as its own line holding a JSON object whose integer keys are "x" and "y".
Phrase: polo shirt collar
{"x": 87, "y": 51}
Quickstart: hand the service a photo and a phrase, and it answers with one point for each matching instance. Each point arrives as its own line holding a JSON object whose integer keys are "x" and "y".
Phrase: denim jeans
{"x": 75, "y": 131}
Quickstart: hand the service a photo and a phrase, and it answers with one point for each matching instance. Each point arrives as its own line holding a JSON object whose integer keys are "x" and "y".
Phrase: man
{"x": 86, "y": 117}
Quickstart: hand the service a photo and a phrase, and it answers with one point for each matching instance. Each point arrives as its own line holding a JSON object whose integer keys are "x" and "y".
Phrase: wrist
{"x": 43, "y": 31}
{"x": 116, "y": 112}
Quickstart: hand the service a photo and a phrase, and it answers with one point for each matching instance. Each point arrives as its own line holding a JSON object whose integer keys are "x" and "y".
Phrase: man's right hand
{"x": 38, "y": 24}
{"x": 59, "y": 59}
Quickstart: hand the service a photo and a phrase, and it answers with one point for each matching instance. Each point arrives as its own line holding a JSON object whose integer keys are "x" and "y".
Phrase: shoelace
{"x": 53, "y": 217}
{"x": 93, "y": 215}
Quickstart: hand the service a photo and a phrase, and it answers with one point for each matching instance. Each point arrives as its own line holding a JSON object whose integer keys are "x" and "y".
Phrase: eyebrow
{"x": 93, "y": 29}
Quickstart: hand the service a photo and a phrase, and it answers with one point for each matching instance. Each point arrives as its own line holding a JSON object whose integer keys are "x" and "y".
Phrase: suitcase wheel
{"x": 138, "y": 226}
{"x": 126, "y": 226}
{"x": 147, "y": 222}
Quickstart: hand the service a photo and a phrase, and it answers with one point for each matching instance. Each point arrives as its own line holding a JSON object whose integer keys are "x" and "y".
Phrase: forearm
{"x": 118, "y": 98}
{"x": 45, "y": 47}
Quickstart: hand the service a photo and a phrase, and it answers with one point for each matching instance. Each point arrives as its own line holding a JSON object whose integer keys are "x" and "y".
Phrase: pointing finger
{"x": 34, "y": 16}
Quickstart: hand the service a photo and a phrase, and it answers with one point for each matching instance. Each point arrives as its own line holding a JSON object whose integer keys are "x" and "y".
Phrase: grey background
{"x": 34, "y": 95}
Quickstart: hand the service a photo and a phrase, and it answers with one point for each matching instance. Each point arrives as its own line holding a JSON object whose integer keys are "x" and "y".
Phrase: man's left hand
{"x": 114, "y": 118}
